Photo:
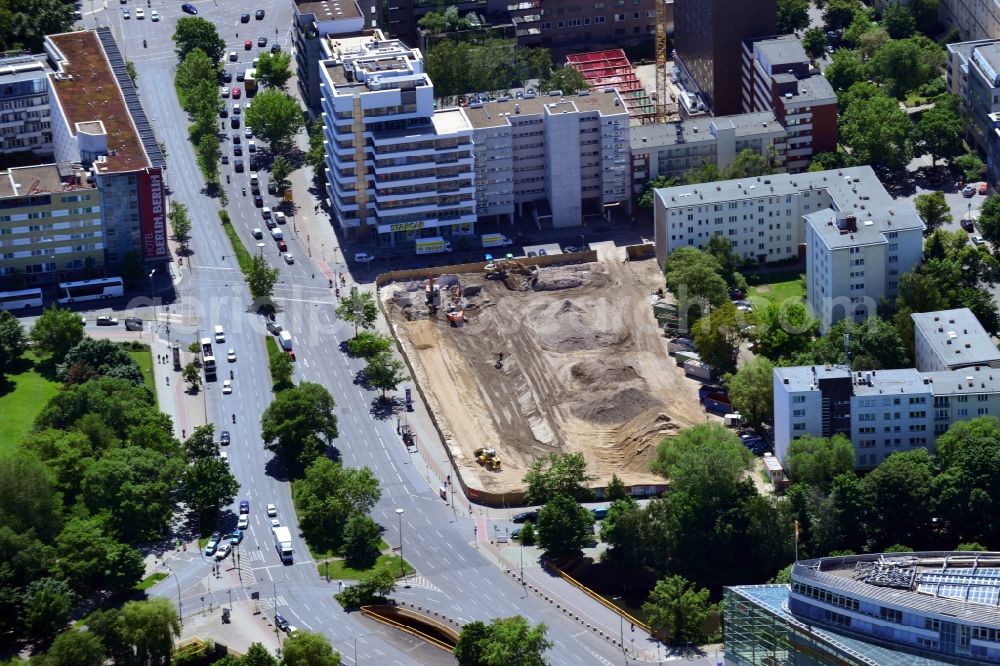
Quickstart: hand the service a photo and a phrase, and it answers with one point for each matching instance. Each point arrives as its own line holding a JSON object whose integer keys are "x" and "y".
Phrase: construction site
{"x": 519, "y": 361}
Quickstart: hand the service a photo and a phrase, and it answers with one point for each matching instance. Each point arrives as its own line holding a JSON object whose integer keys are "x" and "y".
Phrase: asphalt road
{"x": 453, "y": 578}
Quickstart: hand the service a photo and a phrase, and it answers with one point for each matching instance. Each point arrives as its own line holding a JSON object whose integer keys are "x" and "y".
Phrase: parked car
{"x": 258, "y": 201}
{"x": 968, "y": 224}
{"x": 236, "y": 537}
{"x": 978, "y": 240}
{"x": 274, "y": 327}
{"x": 526, "y": 516}
{"x": 227, "y": 76}
{"x": 968, "y": 191}
{"x": 280, "y": 622}
{"x": 105, "y": 320}
{"x": 213, "y": 543}
{"x": 223, "y": 551}
{"x": 275, "y": 48}
{"x": 363, "y": 257}
{"x": 188, "y": 8}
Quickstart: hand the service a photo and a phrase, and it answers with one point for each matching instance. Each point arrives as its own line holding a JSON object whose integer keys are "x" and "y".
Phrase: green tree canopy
{"x": 13, "y": 341}
{"x": 567, "y": 79}
{"x": 88, "y": 557}
{"x": 793, "y": 15}
{"x": 180, "y": 223}
{"x": 300, "y": 424}
{"x": 46, "y": 606}
{"x": 678, "y": 609}
{"x": 367, "y": 344}
{"x": 358, "y": 308}
{"x": 783, "y": 330}
{"x": 196, "y": 67}
{"x": 194, "y": 32}
{"x": 306, "y": 648}
{"x": 148, "y": 629}
{"x": 275, "y": 117}
{"x": 819, "y": 460}
{"x": 839, "y": 13}
{"x": 967, "y": 489}
{"x": 898, "y": 494}
{"x": 564, "y": 527}
{"x": 507, "y": 641}
{"x": 700, "y": 457}
{"x": 874, "y": 345}
{"x": 933, "y": 210}
{"x": 75, "y": 648}
{"x": 273, "y": 69}
{"x": 874, "y": 127}
{"x": 208, "y": 486}
{"x": 260, "y": 277}
{"x": 557, "y": 474}
{"x": 845, "y": 69}
{"x": 751, "y": 392}
{"x": 719, "y": 334}
{"x": 103, "y": 357}
{"x": 55, "y": 332}
{"x": 814, "y": 42}
{"x": 362, "y": 541}
{"x": 328, "y": 495}
{"x": 385, "y": 372}
{"x": 939, "y": 132}
{"x": 898, "y": 21}
{"x": 695, "y": 279}
{"x": 24, "y": 24}
{"x": 28, "y": 501}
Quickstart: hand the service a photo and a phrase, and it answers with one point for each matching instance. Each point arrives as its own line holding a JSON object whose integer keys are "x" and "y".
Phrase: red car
{"x": 983, "y": 188}
{"x": 247, "y": 44}
{"x": 236, "y": 93}
{"x": 283, "y": 246}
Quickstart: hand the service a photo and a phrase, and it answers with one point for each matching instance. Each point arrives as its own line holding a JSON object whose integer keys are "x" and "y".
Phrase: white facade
{"x": 951, "y": 339}
{"x": 396, "y": 168}
{"x": 24, "y": 106}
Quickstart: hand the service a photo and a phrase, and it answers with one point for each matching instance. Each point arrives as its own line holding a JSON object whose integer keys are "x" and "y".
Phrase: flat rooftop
{"x": 805, "y": 377}
{"x": 87, "y": 90}
{"x": 496, "y": 114}
{"x": 329, "y": 10}
{"x": 957, "y": 337}
{"x": 701, "y": 128}
{"x": 22, "y": 68}
{"x": 974, "y": 380}
{"x": 42, "y": 179}
{"x": 869, "y": 230}
{"x": 449, "y": 121}
{"x": 783, "y": 50}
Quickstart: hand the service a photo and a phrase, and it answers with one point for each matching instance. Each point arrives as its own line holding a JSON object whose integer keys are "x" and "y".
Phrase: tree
{"x": 133, "y": 73}
{"x": 444, "y": 21}
{"x": 817, "y": 461}
{"x": 208, "y": 484}
{"x": 28, "y": 500}
{"x": 208, "y": 153}
{"x": 939, "y": 131}
{"x": 719, "y": 334}
{"x": 280, "y": 170}
{"x": 783, "y": 330}
{"x": 104, "y": 357}
{"x": 195, "y": 67}
{"x": 564, "y": 527}
{"x": 46, "y": 606}
{"x": 305, "y": 648}
{"x": 361, "y": 541}
{"x": 55, "y": 332}
{"x": 933, "y": 210}
{"x": 845, "y": 69}
{"x": 899, "y": 499}
{"x": 316, "y": 155}
{"x": 281, "y": 367}
{"x": 260, "y": 277}
{"x": 148, "y": 630}
{"x": 374, "y": 586}
{"x": 679, "y": 610}
{"x": 839, "y": 13}
{"x": 693, "y": 455}
{"x": 258, "y": 655}
{"x": 273, "y": 69}
{"x": 195, "y": 32}
{"x": 558, "y": 474}
{"x": 970, "y": 165}
{"x": 368, "y": 344}
{"x": 566, "y": 79}
{"x": 649, "y": 194}
{"x": 328, "y": 495}
{"x": 898, "y": 21}
{"x": 967, "y": 487}
{"x": 721, "y": 249}
{"x": 989, "y": 220}
{"x": 275, "y": 117}
{"x": 875, "y": 128}
{"x": 13, "y": 341}
{"x": 26, "y": 23}
{"x": 300, "y": 424}
{"x": 358, "y": 308}
{"x": 384, "y": 372}
{"x": 694, "y": 278}
{"x": 874, "y": 345}
{"x": 75, "y": 648}
{"x": 616, "y": 489}
{"x": 904, "y": 64}
{"x": 86, "y": 553}
{"x": 180, "y": 223}
{"x": 748, "y": 162}
{"x": 793, "y": 15}
{"x": 201, "y": 443}
{"x": 814, "y": 42}
{"x": 750, "y": 391}
{"x": 624, "y": 530}
{"x": 192, "y": 375}
{"x": 507, "y": 641}
{"x": 528, "y": 534}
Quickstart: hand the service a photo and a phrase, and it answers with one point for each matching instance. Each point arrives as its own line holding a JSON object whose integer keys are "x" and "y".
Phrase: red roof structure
{"x": 612, "y": 69}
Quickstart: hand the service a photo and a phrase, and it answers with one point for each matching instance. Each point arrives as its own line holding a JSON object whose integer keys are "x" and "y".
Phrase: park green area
{"x": 23, "y": 394}
{"x": 776, "y": 288}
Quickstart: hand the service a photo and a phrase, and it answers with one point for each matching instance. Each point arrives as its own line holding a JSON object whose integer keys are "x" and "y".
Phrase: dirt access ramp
{"x": 585, "y": 368}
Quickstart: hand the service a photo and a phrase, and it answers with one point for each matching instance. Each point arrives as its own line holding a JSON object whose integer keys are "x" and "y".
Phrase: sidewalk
{"x": 187, "y": 411}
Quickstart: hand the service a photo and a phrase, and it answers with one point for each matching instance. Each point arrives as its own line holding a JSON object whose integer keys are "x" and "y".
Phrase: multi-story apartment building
{"x": 708, "y": 40}
{"x": 396, "y": 168}
{"x": 564, "y": 156}
{"x": 97, "y": 121}
{"x": 854, "y": 260}
{"x": 951, "y": 340}
{"x": 671, "y": 149}
{"x": 973, "y": 73}
{"x": 24, "y": 106}
{"x": 594, "y": 24}
{"x": 313, "y": 21}
{"x": 51, "y": 229}
{"x": 777, "y": 77}
{"x": 975, "y": 19}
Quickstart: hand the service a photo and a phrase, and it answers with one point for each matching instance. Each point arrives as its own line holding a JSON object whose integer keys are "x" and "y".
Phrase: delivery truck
{"x": 433, "y": 245}
{"x": 285, "y": 340}
{"x": 207, "y": 358}
{"x": 496, "y": 240}
{"x": 283, "y": 543}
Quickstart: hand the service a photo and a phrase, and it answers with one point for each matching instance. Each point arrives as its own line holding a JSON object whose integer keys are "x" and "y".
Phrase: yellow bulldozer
{"x": 488, "y": 459}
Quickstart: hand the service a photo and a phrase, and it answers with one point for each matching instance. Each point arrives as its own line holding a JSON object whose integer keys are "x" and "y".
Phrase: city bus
{"x": 91, "y": 290}
{"x": 23, "y": 298}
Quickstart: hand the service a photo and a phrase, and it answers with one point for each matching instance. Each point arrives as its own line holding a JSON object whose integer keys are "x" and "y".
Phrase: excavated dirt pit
{"x": 585, "y": 369}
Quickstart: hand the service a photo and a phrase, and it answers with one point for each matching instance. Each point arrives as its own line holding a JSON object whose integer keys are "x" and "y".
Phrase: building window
{"x": 619, "y": 18}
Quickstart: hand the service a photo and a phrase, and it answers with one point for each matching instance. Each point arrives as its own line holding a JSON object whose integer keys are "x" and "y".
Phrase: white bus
{"x": 24, "y": 298}
{"x": 91, "y": 290}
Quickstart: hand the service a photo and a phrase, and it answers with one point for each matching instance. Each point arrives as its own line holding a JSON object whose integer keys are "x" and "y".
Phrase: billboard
{"x": 153, "y": 215}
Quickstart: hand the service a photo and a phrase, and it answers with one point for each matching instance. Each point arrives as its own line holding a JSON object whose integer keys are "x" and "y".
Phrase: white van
{"x": 220, "y": 335}
{"x": 285, "y": 340}
{"x": 276, "y": 234}
{"x": 253, "y": 178}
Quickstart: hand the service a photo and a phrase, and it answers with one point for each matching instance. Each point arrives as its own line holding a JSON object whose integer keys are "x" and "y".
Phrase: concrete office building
{"x": 558, "y": 158}
{"x": 777, "y": 77}
{"x": 950, "y": 340}
{"x": 51, "y": 228}
{"x": 975, "y": 19}
{"x": 843, "y": 216}
{"x": 708, "y": 38}
{"x": 378, "y": 109}
{"x": 97, "y": 120}
{"x": 671, "y": 149}
{"x": 565, "y": 24}
{"x": 24, "y": 106}
{"x": 312, "y": 22}
{"x": 889, "y": 609}
{"x": 973, "y": 74}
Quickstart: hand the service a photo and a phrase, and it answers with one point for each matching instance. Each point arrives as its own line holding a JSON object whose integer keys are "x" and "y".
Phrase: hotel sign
{"x": 153, "y": 215}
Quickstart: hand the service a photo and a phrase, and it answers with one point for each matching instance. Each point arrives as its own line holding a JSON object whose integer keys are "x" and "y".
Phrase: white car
{"x": 154, "y": 15}
{"x": 139, "y": 14}
{"x": 233, "y": 56}
{"x": 275, "y": 523}
{"x": 125, "y": 13}
{"x": 257, "y": 233}
{"x": 279, "y": 217}
{"x": 265, "y": 212}
{"x": 223, "y": 551}
{"x": 231, "y": 356}
{"x": 289, "y": 259}
{"x": 363, "y": 257}
{"x": 225, "y": 92}
{"x": 272, "y": 510}
{"x": 227, "y": 386}
{"x": 244, "y": 522}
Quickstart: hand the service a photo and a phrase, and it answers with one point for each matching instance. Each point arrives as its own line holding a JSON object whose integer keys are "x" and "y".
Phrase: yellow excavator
{"x": 488, "y": 459}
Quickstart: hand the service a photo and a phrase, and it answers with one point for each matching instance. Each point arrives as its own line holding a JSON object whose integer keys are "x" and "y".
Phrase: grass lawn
{"x": 776, "y": 288}
{"x": 239, "y": 249}
{"x": 144, "y": 359}
{"x": 149, "y": 581}
{"x": 340, "y": 570}
{"x": 23, "y": 394}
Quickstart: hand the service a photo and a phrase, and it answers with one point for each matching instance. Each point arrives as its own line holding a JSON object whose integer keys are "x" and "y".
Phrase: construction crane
{"x": 661, "y": 61}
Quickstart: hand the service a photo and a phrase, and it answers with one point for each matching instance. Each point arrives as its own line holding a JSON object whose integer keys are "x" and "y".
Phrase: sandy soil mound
{"x": 605, "y": 371}
{"x": 607, "y": 407}
{"x": 569, "y": 277}
{"x": 574, "y": 325}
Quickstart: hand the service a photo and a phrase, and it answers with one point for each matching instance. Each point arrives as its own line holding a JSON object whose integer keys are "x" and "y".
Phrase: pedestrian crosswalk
{"x": 271, "y": 602}
{"x": 416, "y": 580}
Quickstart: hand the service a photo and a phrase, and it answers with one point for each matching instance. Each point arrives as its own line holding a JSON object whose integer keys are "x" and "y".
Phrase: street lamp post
{"x": 152, "y": 296}
{"x": 180, "y": 606}
{"x": 621, "y": 625}
{"x": 260, "y": 248}
{"x": 402, "y": 571}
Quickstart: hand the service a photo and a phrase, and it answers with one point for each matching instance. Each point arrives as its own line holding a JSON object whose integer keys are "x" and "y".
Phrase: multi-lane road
{"x": 454, "y": 578}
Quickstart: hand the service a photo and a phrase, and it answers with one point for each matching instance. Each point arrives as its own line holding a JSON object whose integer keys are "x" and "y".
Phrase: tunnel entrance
{"x": 435, "y": 630}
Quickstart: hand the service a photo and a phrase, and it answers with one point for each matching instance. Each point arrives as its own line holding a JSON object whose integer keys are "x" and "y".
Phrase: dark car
{"x": 275, "y": 48}
{"x": 237, "y": 150}
{"x": 968, "y": 224}
{"x": 272, "y": 188}
{"x": 241, "y": 75}
{"x": 223, "y": 112}
{"x": 525, "y": 517}
{"x": 107, "y": 320}
{"x": 599, "y": 514}
{"x": 238, "y": 165}
{"x": 225, "y": 159}
{"x": 133, "y": 323}
{"x": 259, "y": 15}
{"x": 237, "y": 138}
{"x": 280, "y": 622}
{"x": 516, "y": 534}
{"x": 234, "y": 122}
{"x": 224, "y": 437}
{"x": 244, "y": 18}
{"x": 262, "y": 41}
{"x": 255, "y": 188}
{"x": 227, "y": 77}
{"x": 244, "y": 506}
{"x": 258, "y": 201}
{"x": 188, "y": 8}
